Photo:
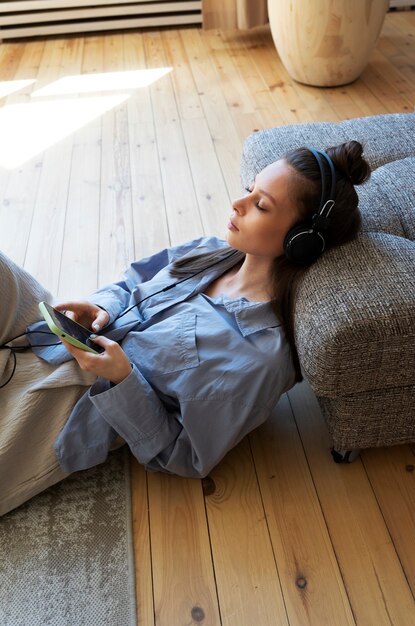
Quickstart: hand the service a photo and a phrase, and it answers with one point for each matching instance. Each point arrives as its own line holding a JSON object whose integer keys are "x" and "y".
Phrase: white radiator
{"x": 401, "y": 3}
{"x": 29, "y": 18}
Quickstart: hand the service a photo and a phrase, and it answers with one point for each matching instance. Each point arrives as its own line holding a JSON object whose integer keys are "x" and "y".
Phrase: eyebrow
{"x": 266, "y": 194}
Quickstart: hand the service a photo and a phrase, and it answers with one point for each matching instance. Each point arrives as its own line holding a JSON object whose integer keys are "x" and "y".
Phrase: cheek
{"x": 273, "y": 240}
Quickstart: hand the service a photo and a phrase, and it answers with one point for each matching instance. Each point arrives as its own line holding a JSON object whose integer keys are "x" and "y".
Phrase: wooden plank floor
{"x": 92, "y": 178}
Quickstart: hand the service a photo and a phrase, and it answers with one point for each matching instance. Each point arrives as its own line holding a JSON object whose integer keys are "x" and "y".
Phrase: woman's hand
{"x": 113, "y": 364}
{"x": 89, "y": 315}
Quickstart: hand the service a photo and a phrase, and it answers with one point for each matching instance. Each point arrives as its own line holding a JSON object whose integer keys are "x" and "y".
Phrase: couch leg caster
{"x": 344, "y": 456}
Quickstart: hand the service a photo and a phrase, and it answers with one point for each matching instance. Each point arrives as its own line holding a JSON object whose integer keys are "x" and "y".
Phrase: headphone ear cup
{"x": 303, "y": 245}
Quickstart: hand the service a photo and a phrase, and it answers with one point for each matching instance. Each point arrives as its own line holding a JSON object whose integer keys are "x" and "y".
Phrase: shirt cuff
{"x": 134, "y": 410}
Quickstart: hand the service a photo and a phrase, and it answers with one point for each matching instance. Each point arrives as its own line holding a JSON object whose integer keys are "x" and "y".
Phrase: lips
{"x": 232, "y": 226}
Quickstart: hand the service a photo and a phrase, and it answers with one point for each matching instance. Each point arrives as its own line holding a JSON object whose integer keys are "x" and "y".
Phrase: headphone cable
{"x": 15, "y": 349}
{"x": 174, "y": 285}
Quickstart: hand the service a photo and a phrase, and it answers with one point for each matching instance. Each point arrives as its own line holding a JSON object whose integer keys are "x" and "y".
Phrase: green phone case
{"x": 61, "y": 333}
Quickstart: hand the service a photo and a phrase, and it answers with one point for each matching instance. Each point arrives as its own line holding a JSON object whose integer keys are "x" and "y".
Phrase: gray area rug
{"x": 66, "y": 556}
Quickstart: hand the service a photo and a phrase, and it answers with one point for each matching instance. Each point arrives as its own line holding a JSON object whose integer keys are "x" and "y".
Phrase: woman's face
{"x": 261, "y": 219}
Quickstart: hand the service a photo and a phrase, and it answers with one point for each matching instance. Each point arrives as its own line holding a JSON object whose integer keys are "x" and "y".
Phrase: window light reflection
{"x": 28, "y": 129}
{"x": 10, "y": 86}
{"x": 108, "y": 81}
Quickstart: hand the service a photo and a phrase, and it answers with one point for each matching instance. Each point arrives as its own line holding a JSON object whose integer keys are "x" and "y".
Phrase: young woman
{"x": 203, "y": 353}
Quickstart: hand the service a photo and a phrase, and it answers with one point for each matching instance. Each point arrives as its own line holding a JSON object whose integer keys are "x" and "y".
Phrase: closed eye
{"x": 260, "y": 208}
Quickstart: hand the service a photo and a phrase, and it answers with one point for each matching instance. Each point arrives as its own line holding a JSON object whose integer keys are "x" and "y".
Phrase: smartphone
{"x": 71, "y": 331}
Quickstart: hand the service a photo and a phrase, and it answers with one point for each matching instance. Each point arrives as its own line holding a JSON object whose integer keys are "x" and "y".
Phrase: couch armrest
{"x": 355, "y": 317}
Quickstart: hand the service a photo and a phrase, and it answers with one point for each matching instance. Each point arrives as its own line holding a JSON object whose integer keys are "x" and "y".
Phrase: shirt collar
{"x": 252, "y": 317}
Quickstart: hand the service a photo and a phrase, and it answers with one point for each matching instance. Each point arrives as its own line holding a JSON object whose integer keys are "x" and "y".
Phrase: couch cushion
{"x": 355, "y": 316}
{"x": 387, "y": 200}
{"x": 386, "y": 138}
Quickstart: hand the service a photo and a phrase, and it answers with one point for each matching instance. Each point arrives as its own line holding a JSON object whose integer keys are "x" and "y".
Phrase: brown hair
{"x": 305, "y": 191}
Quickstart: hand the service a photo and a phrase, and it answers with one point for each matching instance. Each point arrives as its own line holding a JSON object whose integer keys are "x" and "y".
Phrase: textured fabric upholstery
{"x": 387, "y": 200}
{"x": 355, "y": 312}
{"x": 371, "y": 419}
{"x": 386, "y": 138}
{"x": 355, "y": 316}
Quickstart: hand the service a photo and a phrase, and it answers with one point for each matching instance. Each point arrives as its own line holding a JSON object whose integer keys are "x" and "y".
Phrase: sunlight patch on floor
{"x": 29, "y": 128}
{"x": 108, "y": 81}
{"x": 8, "y": 87}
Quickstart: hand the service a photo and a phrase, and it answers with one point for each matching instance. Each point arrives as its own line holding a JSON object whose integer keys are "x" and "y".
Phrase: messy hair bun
{"x": 348, "y": 160}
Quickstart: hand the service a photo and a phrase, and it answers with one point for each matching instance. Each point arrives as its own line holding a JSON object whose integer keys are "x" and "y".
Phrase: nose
{"x": 238, "y": 205}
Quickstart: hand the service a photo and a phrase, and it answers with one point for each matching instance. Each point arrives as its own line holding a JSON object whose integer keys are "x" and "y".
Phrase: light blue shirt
{"x": 206, "y": 371}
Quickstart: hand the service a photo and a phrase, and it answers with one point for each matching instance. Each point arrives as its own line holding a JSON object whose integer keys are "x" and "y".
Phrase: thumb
{"x": 100, "y": 321}
{"x": 100, "y": 340}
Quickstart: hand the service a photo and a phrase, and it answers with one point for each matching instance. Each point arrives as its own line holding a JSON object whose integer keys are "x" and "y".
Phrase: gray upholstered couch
{"x": 355, "y": 314}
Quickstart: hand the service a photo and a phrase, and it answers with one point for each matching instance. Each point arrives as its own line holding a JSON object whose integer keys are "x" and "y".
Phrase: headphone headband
{"x": 305, "y": 241}
{"x": 324, "y": 196}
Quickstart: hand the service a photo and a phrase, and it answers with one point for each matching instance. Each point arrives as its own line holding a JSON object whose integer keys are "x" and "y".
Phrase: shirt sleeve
{"x": 188, "y": 442}
{"x": 115, "y": 297}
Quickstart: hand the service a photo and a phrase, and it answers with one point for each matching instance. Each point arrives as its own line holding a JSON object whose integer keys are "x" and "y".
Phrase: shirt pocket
{"x": 167, "y": 346}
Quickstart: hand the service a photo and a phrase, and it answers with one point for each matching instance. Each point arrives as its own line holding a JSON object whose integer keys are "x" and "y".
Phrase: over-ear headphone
{"x": 305, "y": 242}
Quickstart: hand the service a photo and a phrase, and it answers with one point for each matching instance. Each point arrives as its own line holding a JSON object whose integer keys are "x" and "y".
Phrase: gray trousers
{"x": 36, "y": 403}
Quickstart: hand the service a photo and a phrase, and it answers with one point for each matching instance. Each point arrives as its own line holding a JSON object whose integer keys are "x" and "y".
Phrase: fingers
{"x": 104, "y": 342}
{"x": 85, "y": 313}
{"x": 69, "y": 309}
{"x": 101, "y": 340}
{"x": 84, "y": 358}
{"x": 81, "y": 354}
{"x": 112, "y": 364}
{"x": 67, "y": 306}
{"x": 100, "y": 321}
